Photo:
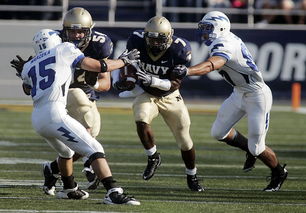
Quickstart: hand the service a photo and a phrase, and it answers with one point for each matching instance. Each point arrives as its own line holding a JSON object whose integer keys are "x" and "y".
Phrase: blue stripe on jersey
{"x": 222, "y": 55}
{"x": 80, "y": 57}
{"x": 267, "y": 121}
{"x": 216, "y": 46}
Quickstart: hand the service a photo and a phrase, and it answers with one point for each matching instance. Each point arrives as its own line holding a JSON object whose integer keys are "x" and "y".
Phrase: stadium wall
{"x": 279, "y": 54}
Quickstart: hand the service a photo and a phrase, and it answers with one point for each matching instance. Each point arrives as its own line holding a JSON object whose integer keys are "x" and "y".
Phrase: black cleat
{"x": 249, "y": 163}
{"x": 93, "y": 181}
{"x": 116, "y": 196}
{"x": 153, "y": 163}
{"x": 50, "y": 179}
{"x": 277, "y": 180}
{"x": 193, "y": 183}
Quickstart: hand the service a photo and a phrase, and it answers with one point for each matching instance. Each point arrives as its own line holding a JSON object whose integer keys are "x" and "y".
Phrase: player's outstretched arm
{"x": 108, "y": 65}
{"x": 211, "y": 64}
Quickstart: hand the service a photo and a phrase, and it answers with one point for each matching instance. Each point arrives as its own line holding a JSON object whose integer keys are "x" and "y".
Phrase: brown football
{"x": 128, "y": 73}
{"x": 128, "y": 76}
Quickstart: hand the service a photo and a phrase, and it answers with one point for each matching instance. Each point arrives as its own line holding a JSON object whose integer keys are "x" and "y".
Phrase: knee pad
{"x": 183, "y": 138}
{"x": 256, "y": 149}
{"x": 218, "y": 133}
{"x": 93, "y": 157}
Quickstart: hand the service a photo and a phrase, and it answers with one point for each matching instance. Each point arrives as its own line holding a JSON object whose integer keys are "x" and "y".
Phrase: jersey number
{"x": 48, "y": 75}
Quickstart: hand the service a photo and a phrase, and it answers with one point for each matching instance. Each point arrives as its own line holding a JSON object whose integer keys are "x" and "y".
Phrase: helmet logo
{"x": 52, "y": 32}
{"x": 215, "y": 18}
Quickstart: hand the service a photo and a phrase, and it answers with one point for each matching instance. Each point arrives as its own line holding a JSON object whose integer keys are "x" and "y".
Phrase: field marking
{"x": 170, "y": 201}
{"x": 51, "y": 211}
{"x": 26, "y": 105}
{"x": 9, "y": 161}
{"x": 44, "y": 144}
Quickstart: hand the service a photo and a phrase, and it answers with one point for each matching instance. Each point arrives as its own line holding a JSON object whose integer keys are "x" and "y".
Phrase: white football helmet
{"x": 45, "y": 39}
{"x": 213, "y": 25}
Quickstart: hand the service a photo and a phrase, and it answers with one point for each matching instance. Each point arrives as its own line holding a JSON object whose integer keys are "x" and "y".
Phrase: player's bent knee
{"x": 94, "y": 156}
{"x": 217, "y": 134}
{"x": 186, "y": 146}
{"x": 256, "y": 150}
{"x": 66, "y": 154}
{"x": 88, "y": 117}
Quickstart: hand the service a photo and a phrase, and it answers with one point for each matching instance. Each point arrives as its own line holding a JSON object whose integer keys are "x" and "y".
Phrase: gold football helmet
{"x": 158, "y": 34}
{"x": 77, "y": 19}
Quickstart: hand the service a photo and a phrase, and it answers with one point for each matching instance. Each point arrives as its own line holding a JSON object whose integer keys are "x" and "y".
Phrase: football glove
{"x": 130, "y": 57}
{"x": 179, "y": 72}
{"x": 91, "y": 78}
{"x": 143, "y": 76}
{"x": 18, "y": 64}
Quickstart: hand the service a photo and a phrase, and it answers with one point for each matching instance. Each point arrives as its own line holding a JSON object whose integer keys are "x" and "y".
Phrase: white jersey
{"x": 240, "y": 70}
{"x": 50, "y": 73}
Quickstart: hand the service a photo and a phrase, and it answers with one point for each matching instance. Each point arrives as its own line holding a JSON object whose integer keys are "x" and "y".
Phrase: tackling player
{"x": 46, "y": 78}
{"x": 81, "y": 103}
{"x": 163, "y": 57}
{"x": 251, "y": 96}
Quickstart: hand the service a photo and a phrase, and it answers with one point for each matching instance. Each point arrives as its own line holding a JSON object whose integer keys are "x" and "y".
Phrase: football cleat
{"x": 193, "y": 183}
{"x": 153, "y": 163}
{"x": 93, "y": 181}
{"x": 249, "y": 163}
{"x": 116, "y": 196}
{"x": 50, "y": 179}
{"x": 277, "y": 179}
{"x": 75, "y": 193}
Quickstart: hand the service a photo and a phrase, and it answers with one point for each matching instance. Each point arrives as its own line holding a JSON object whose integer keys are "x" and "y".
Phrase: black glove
{"x": 18, "y": 64}
{"x": 130, "y": 57}
{"x": 179, "y": 72}
{"x": 91, "y": 78}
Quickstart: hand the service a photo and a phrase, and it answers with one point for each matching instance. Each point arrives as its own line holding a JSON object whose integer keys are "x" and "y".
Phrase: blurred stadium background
{"x": 278, "y": 47}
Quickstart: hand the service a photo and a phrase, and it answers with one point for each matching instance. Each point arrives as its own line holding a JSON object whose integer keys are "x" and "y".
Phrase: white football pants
{"x": 63, "y": 133}
{"x": 256, "y": 106}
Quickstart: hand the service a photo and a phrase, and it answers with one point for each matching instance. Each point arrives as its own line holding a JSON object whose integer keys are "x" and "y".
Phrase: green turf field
{"x": 228, "y": 188}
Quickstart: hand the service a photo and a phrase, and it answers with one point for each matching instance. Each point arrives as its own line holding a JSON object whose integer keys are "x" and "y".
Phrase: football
{"x": 128, "y": 77}
{"x": 128, "y": 73}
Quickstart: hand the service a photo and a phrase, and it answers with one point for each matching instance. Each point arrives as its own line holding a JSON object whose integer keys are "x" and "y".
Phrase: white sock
{"x": 191, "y": 171}
{"x": 151, "y": 151}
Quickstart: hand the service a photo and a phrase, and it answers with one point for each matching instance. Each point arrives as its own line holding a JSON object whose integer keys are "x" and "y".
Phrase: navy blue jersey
{"x": 100, "y": 46}
{"x": 179, "y": 53}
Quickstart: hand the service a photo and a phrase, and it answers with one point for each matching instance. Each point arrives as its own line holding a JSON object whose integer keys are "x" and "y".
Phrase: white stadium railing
{"x": 158, "y": 6}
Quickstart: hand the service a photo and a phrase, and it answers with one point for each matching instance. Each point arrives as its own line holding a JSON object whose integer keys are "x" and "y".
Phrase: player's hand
{"x": 91, "y": 78}
{"x": 18, "y": 64}
{"x": 143, "y": 76}
{"x": 130, "y": 57}
{"x": 179, "y": 72}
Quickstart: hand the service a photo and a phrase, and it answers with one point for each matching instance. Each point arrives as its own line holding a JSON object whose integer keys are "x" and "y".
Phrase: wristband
{"x": 103, "y": 66}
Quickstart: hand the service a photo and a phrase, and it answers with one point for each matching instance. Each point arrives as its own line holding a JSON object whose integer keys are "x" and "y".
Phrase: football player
{"x": 46, "y": 78}
{"x": 251, "y": 96}
{"x": 81, "y": 105}
{"x": 81, "y": 101}
{"x": 163, "y": 57}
